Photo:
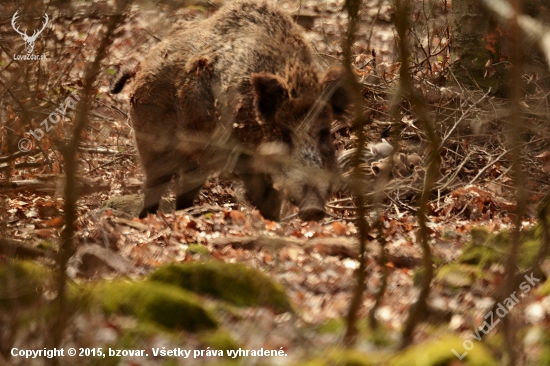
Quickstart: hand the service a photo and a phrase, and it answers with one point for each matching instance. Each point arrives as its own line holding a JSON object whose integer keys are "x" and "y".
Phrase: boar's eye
{"x": 286, "y": 136}
{"x": 324, "y": 136}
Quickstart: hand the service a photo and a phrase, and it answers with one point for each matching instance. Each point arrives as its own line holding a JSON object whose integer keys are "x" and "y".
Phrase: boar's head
{"x": 297, "y": 151}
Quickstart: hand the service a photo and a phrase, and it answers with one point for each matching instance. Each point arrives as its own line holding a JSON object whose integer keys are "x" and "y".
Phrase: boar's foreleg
{"x": 189, "y": 182}
{"x": 153, "y": 188}
{"x": 261, "y": 193}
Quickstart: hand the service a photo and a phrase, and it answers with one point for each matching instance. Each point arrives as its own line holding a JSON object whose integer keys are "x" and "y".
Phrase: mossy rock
{"x": 345, "y": 357}
{"x": 47, "y": 245}
{"x": 332, "y": 326}
{"x": 198, "y": 249}
{"x": 21, "y": 283}
{"x": 544, "y": 343}
{"x": 485, "y": 248}
{"x": 530, "y": 245}
{"x": 458, "y": 275}
{"x": 544, "y": 290}
{"x": 132, "y": 335}
{"x": 218, "y": 340}
{"x": 165, "y": 305}
{"x": 336, "y": 327}
{"x": 234, "y": 283}
{"x": 439, "y": 352}
{"x": 479, "y": 234}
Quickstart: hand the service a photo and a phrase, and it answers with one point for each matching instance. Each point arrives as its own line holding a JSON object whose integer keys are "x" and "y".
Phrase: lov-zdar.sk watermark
{"x": 29, "y": 40}
{"x": 25, "y": 144}
{"x": 501, "y": 311}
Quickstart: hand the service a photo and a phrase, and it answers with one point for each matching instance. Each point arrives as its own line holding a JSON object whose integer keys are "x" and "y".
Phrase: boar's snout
{"x": 312, "y": 206}
{"x": 311, "y": 213}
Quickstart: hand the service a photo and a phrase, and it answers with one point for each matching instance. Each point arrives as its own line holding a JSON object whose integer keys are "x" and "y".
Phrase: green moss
{"x": 198, "y": 249}
{"x": 332, "y": 326}
{"x": 235, "y": 283}
{"x": 79, "y": 296}
{"x": 219, "y": 340}
{"x": 380, "y": 337}
{"x": 170, "y": 361}
{"x": 164, "y": 305}
{"x": 485, "y": 249}
{"x": 131, "y": 337}
{"x": 544, "y": 290}
{"x": 529, "y": 251}
{"x": 21, "y": 283}
{"x": 493, "y": 249}
{"x": 46, "y": 245}
{"x": 439, "y": 352}
{"x": 479, "y": 234}
{"x": 345, "y": 357}
{"x": 336, "y": 327}
{"x": 458, "y": 275}
{"x": 544, "y": 358}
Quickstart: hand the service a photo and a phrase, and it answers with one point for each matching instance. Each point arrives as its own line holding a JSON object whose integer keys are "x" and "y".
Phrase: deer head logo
{"x": 29, "y": 40}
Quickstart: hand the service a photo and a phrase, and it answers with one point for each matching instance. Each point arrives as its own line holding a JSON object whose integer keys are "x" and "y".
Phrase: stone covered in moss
{"x": 345, "y": 357}
{"x": 544, "y": 290}
{"x": 219, "y": 340}
{"x": 537, "y": 338}
{"x": 485, "y": 248}
{"x": 439, "y": 352}
{"x": 198, "y": 249}
{"x": 235, "y": 283}
{"x": 458, "y": 275}
{"x": 333, "y": 326}
{"x": 21, "y": 283}
{"x": 165, "y": 305}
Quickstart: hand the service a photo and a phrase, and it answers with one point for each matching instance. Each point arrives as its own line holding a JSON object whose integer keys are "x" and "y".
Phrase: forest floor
{"x": 315, "y": 262}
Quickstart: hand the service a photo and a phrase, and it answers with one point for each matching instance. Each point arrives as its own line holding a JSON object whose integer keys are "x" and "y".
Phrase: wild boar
{"x": 239, "y": 92}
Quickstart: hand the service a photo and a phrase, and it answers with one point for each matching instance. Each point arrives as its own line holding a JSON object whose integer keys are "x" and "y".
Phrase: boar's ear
{"x": 335, "y": 78}
{"x": 269, "y": 93}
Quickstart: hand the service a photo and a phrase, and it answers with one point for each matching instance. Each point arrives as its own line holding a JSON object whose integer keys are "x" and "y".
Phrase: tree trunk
{"x": 482, "y": 48}
{"x": 471, "y": 27}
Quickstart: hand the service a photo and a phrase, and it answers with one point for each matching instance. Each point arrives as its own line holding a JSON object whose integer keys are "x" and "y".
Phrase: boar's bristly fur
{"x": 239, "y": 91}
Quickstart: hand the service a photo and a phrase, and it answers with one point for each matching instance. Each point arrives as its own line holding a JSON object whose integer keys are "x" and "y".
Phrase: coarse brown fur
{"x": 236, "y": 92}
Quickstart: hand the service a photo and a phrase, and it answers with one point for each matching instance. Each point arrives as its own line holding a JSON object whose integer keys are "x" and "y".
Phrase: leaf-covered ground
{"x": 314, "y": 262}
